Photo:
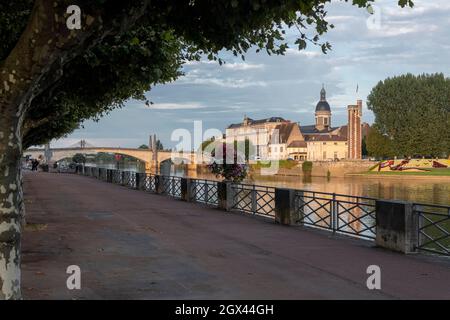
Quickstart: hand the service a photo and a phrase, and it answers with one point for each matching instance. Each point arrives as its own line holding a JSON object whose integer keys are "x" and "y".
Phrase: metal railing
{"x": 338, "y": 213}
{"x": 171, "y": 186}
{"x": 254, "y": 199}
{"x": 204, "y": 191}
{"x": 148, "y": 182}
{"x": 434, "y": 228}
{"x": 346, "y": 214}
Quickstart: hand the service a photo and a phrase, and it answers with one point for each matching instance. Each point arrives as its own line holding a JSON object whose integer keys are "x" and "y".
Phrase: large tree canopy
{"x": 126, "y": 62}
{"x": 412, "y": 116}
{"x": 52, "y": 77}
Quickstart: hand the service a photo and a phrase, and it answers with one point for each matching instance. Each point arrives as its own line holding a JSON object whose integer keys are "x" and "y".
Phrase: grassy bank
{"x": 433, "y": 172}
{"x": 282, "y": 164}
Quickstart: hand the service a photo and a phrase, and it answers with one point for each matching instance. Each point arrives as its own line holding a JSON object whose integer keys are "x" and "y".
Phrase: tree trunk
{"x": 11, "y": 206}
{"x": 35, "y": 63}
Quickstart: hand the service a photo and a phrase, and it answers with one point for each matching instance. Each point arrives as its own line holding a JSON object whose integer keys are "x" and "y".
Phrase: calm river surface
{"x": 404, "y": 188}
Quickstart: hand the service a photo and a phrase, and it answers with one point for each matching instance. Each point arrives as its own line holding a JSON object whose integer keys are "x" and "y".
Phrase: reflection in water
{"x": 417, "y": 190}
{"x": 404, "y": 188}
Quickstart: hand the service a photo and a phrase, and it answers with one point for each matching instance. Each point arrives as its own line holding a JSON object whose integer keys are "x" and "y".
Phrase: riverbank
{"x": 426, "y": 176}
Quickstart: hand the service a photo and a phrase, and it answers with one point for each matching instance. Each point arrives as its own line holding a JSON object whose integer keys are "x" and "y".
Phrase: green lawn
{"x": 285, "y": 164}
{"x": 432, "y": 172}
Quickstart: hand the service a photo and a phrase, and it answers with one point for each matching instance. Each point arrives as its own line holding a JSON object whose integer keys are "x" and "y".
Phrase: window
{"x": 324, "y": 155}
{"x": 324, "y": 143}
{"x": 325, "y": 121}
{"x": 281, "y": 149}
{"x": 335, "y": 155}
{"x": 335, "y": 143}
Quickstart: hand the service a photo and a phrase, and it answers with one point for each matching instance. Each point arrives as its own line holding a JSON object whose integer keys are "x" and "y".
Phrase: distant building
{"x": 276, "y": 138}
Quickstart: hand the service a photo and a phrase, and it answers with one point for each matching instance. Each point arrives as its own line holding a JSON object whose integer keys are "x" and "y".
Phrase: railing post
{"x": 299, "y": 207}
{"x": 222, "y": 195}
{"x": 396, "y": 225}
{"x": 186, "y": 189}
{"x": 334, "y": 216}
{"x": 172, "y": 186}
{"x": 138, "y": 181}
{"x": 253, "y": 198}
{"x": 229, "y": 196}
{"x": 122, "y": 178}
{"x": 206, "y": 192}
{"x": 285, "y": 212}
{"x": 159, "y": 184}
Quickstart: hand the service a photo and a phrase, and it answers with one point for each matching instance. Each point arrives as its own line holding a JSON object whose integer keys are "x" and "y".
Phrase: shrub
{"x": 307, "y": 167}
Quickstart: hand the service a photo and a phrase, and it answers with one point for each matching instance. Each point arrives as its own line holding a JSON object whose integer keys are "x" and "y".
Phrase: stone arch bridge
{"x": 145, "y": 155}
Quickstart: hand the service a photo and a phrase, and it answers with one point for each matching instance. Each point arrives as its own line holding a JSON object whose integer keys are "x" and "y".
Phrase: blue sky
{"x": 366, "y": 49}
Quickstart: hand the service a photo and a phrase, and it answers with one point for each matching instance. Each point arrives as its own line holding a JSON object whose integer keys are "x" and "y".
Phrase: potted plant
{"x": 222, "y": 166}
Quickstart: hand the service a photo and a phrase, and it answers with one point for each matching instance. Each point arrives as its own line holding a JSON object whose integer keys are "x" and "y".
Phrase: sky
{"x": 366, "y": 49}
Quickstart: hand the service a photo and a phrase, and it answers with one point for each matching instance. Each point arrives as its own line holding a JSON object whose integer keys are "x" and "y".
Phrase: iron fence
{"x": 254, "y": 199}
{"x": 149, "y": 182}
{"x": 171, "y": 186}
{"x": 434, "y": 228}
{"x": 346, "y": 214}
{"x": 204, "y": 191}
{"x": 129, "y": 179}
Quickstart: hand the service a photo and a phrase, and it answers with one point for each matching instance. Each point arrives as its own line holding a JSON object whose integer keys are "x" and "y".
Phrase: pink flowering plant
{"x": 236, "y": 171}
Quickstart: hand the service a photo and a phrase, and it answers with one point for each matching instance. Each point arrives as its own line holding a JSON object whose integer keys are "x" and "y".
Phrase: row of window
{"x": 275, "y": 149}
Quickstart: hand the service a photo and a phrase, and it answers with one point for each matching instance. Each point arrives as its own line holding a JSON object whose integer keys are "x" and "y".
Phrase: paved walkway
{"x": 134, "y": 245}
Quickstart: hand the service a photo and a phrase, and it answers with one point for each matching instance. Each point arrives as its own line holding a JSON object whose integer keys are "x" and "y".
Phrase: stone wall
{"x": 336, "y": 168}
{"x": 319, "y": 169}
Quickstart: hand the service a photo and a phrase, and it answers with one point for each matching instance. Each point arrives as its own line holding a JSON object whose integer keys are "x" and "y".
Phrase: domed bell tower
{"x": 323, "y": 112}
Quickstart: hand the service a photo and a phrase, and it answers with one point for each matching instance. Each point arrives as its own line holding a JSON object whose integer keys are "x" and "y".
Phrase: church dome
{"x": 323, "y": 105}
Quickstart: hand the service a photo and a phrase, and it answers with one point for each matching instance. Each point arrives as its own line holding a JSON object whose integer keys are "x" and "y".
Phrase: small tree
{"x": 379, "y": 145}
{"x": 307, "y": 167}
{"x": 79, "y": 158}
{"x": 159, "y": 145}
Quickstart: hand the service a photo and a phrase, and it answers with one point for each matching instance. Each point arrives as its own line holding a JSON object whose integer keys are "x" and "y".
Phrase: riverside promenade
{"x": 131, "y": 244}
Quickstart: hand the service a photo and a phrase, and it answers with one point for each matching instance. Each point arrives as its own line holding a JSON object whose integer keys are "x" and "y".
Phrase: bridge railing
{"x": 397, "y": 225}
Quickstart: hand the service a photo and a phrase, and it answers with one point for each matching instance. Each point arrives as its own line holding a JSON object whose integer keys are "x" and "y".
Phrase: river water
{"x": 433, "y": 191}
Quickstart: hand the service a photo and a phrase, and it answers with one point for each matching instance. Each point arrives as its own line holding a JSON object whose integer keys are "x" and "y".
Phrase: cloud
{"x": 243, "y": 66}
{"x": 176, "y": 106}
{"x": 304, "y": 53}
{"x": 396, "y": 29}
{"x": 196, "y": 63}
{"x": 221, "y": 82}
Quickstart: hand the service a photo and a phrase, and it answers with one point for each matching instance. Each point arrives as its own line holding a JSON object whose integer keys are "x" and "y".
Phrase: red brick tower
{"x": 354, "y": 138}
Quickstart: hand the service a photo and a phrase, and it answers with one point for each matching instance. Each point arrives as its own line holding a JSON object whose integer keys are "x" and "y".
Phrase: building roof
{"x": 323, "y": 106}
{"x": 325, "y": 137}
{"x": 311, "y": 129}
{"x": 255, "y": 122}
{"x": 284, "y": 130}
{"x": 297, "y": 144}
